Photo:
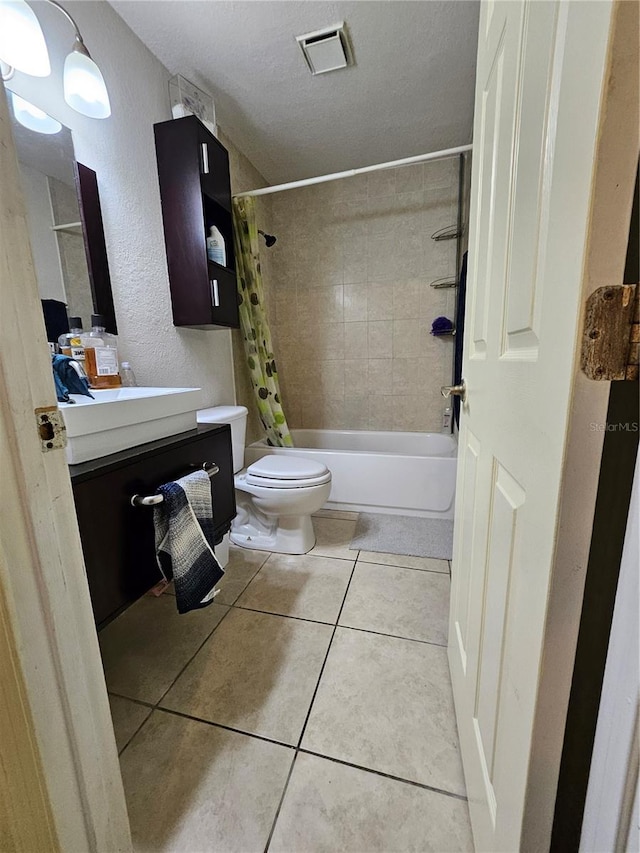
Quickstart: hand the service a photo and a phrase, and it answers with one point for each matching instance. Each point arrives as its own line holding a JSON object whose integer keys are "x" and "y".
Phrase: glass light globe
{"x": 32, "y": 117}
{"x": 22, "y": 43}
{"x": 84, "y": 86}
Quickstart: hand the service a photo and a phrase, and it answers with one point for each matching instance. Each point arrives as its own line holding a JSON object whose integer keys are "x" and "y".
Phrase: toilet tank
{"x": 237, "y": 417}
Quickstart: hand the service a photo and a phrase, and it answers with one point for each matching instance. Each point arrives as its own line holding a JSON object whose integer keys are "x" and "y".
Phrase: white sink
{"x": 124, "y": 417}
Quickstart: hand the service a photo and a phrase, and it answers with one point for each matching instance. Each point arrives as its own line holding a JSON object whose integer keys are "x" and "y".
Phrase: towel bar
{"x": 153, "y": 500}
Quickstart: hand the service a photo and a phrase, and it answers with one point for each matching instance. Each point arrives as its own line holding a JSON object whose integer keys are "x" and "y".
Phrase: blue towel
{"x": 67, "y": 379}
{"x": 184, "y": 540}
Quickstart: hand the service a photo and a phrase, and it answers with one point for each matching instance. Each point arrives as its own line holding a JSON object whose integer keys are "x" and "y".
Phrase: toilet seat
{"x": 286, "y": 472}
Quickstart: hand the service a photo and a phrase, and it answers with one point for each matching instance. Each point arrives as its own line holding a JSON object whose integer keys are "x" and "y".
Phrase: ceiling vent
{"x": 327, "y": 49}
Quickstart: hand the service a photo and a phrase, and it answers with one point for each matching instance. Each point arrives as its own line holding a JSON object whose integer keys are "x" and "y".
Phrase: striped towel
{"x": 184, "y": 540}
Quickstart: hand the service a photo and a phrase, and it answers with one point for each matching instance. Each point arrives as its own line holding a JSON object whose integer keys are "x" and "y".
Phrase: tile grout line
{"x": 120, "y": 751}
{"x": 324, "y": 662}
{"x": 157, "y": 705}
{"x": 290, "y": 746}
{"x": 211, "y": 633}
{"x": 410, "y": 568}
{"x": 357, "y": 560}
{"x": 384, "y": 775}
{"x": 296, "y": 748}
{"x": 208, "y": 637}
{"x": 283, "y": 615}
{"x": 394, "y": 636}
{"x": 210, "y": 723}
{"x": 407, "y": 568}
{"x": 348, "y": 627}
{"x": 281, "y": 802}
{"x": 313, "y": 697}
{"x": 129, "y": 699}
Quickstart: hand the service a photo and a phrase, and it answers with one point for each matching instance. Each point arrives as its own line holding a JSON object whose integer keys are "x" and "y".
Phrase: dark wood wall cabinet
{"x": 117, "y": 538}
{"x": 195, "y": 190}
{"x": 95, "y": 246}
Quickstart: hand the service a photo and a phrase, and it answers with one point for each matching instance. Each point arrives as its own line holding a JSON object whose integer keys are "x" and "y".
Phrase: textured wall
{"x": 121, "y": 151}
{"x": 353, "y": 307}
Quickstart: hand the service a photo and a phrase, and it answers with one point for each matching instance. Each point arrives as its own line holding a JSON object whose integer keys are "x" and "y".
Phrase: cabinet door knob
{"x": 205, "y": 157}
{"x": 215, "y": 299}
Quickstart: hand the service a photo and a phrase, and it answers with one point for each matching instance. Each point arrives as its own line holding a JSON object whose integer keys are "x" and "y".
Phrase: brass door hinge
{"x": 51, "y": 429}
{"x": 611, "y": 336}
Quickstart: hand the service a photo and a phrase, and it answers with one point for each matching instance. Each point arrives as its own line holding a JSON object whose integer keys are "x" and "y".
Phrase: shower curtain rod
{"x": 350, "y": 173}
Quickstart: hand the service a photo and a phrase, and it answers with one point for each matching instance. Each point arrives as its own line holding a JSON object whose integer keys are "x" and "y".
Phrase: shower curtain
{"x": 254, "y": 325}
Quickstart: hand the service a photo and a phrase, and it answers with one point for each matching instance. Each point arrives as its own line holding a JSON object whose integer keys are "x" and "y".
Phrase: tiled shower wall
{"x": 350, "y": 301}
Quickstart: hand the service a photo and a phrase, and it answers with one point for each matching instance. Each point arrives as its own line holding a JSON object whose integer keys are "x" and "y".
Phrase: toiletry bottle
{"x": 216, "y": 249}
{"x": 446, "y": 419}
{"x": 127, "y": 375}
{"x": 70, "y": 343}
{"x": 101, "y": 355}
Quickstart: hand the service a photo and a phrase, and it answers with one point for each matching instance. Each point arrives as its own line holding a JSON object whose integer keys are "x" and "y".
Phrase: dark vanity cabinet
{"x": 117, "y": 538}
{"x": 193, "y": 170}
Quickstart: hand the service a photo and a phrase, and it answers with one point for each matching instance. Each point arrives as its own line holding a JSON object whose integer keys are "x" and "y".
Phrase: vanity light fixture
{"x": 22, "y": 44}
{"x": 33, "y": 117}
{"x": 23, "y": 47}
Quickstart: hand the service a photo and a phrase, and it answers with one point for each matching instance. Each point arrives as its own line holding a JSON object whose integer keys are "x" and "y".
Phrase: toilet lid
{"x": 287, "y": 472}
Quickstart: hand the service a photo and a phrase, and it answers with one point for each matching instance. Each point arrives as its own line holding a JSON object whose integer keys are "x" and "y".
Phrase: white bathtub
{"x": 402, "y": 473}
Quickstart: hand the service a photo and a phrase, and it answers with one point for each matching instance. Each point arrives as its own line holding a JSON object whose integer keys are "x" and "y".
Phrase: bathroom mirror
{"x": 65, "y": 228}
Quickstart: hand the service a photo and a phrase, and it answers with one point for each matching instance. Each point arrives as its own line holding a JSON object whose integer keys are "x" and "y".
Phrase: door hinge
{"x": 611, "y": 336}
{"x": 51, "y": 429}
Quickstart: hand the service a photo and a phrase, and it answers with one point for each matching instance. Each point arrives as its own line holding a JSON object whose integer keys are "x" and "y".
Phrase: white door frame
{"x": 57, "y": 700}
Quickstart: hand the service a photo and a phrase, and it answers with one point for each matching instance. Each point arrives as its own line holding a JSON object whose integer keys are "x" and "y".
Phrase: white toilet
{"x": 275, "y": 496}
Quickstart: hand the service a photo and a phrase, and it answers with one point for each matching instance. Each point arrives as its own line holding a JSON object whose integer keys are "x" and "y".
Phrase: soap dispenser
{"x": 101, "y": 355}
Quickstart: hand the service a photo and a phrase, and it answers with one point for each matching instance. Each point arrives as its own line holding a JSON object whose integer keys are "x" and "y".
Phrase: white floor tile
{"x": 303, "y": 586}
{"x": 333, "y": 537}
{"x": 194, "y": 787}
{"x": 386, "y": 704}
{"x": 144, "y": 649}
{"x": 329, "y": 807}
{"x": 257, "y": 674}
{"x": 402, "y": 602}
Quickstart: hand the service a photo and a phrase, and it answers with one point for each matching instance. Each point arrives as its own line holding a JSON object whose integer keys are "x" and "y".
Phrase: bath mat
{"x": 399, "y": 534}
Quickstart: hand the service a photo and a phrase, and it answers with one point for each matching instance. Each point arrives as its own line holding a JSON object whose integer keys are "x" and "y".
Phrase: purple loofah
{"x": 441, "y": 326}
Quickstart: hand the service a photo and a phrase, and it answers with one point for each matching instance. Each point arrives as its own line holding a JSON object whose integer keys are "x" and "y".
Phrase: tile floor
{"x": 308, "y": 709}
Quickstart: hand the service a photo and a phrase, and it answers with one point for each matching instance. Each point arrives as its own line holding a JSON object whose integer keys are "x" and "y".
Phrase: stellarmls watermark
{"x": 623, "y": 426}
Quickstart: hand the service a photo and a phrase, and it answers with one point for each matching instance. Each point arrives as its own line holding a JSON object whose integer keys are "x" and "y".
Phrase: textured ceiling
{"x": 411, "y": 90}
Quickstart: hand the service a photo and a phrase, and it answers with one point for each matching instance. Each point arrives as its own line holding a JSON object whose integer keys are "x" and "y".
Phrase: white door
{"x": 541, "y": 67}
